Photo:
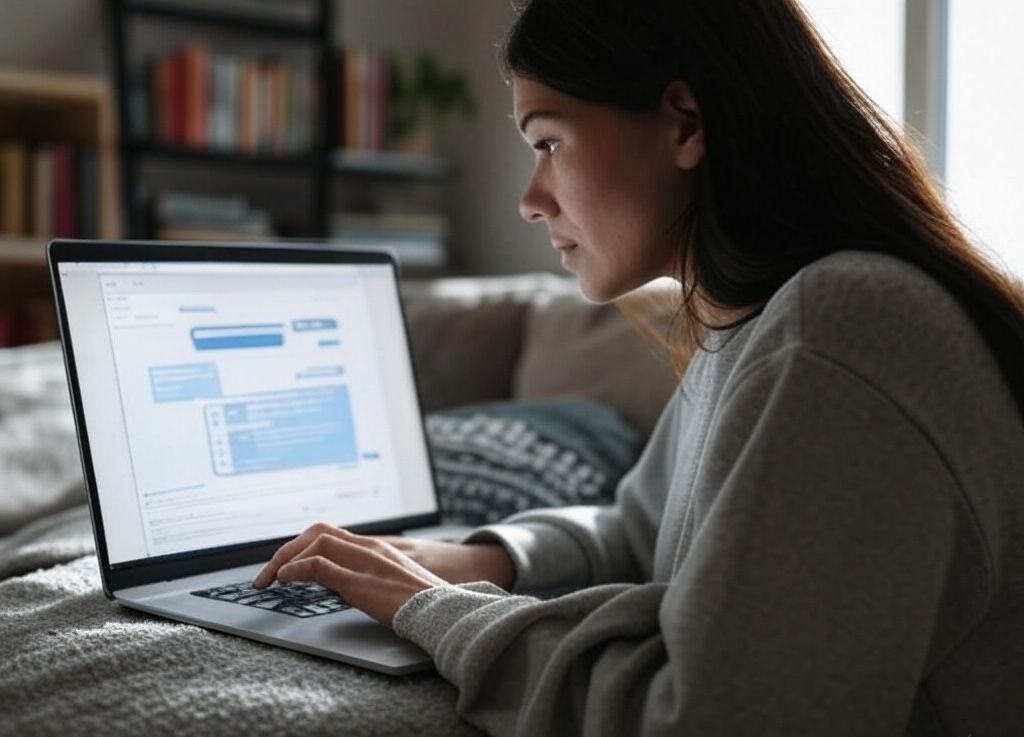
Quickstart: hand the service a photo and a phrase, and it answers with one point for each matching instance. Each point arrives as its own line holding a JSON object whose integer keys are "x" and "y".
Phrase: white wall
{"x": 488, "y": 234}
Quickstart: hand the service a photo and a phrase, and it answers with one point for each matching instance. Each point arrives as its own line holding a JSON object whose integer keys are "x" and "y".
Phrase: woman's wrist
{"x": 494, "y": 564}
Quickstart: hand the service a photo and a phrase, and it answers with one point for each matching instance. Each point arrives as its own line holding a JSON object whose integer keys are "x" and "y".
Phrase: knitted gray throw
{"x": 74, "y": 663}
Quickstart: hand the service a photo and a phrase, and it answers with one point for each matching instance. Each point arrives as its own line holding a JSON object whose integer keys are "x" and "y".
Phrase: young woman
{"x": 824, "y": 534}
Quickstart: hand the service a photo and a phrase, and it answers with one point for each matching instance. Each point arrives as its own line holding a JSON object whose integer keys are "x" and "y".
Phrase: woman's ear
{"x": 686, "y": 128}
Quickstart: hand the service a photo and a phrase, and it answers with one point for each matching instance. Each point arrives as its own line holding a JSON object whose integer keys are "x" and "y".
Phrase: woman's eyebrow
{"x": 530, "y": 116}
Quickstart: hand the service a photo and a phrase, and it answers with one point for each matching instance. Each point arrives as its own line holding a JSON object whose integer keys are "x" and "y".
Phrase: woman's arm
{"x": 826, "y": 524}
{"x": 573, "y": 547}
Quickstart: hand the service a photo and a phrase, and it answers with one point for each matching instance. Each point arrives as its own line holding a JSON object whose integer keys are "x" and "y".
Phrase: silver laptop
{"x": 227, "y": 397}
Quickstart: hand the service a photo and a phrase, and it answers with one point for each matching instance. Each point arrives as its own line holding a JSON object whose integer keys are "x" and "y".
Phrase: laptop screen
{"x": 233, "y": 403}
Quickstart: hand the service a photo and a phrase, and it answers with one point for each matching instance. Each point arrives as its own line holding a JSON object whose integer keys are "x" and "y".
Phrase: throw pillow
{"x": 492, "y": 460}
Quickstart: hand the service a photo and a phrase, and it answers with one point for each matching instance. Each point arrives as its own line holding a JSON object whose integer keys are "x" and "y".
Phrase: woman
{"x": 823, "y": 534}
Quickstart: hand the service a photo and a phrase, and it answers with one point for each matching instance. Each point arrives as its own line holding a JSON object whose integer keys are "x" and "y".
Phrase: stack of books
{"x": 48, "y": 190}
{"x": 416, "y": 240}
{"x": 201, "y": 99}
{"x": 181, "y": 216}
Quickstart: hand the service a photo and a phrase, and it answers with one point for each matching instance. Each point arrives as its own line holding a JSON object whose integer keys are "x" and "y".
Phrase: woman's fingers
{"x": 292, "y": 548}
{"x": 355, "y": 552}
{"x": 368, "y": 573}
{"x": 317, "y": 568}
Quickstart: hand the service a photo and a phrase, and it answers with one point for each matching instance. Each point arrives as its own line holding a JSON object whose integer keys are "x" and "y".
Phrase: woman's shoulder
{"x": 854, "y": 306}
{"x": 892, "y": 325}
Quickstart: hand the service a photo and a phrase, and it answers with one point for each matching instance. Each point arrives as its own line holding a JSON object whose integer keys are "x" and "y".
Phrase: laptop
{"x": 226, "y": 398}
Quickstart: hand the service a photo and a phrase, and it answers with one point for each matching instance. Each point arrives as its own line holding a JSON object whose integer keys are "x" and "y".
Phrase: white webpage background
{"x": 178, "y": 502}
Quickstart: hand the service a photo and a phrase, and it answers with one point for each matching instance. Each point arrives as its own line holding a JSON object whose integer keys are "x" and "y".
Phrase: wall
{"x": 61, "y": 35}
{"x": 488, "y": 234}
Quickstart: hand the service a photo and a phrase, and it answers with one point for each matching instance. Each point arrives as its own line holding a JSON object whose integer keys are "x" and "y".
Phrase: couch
{"x": 76, "y": 663}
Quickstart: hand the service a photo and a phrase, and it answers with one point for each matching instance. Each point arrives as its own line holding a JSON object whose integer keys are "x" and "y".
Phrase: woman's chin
{"x": 597, "y": 291}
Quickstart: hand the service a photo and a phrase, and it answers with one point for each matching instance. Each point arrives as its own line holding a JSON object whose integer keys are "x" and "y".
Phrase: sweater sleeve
{"x": 572, "y": 547}
{"x": 826, "y": 522}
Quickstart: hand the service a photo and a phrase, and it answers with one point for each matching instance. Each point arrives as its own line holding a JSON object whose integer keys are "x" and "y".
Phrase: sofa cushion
{"x": 492, "y": 460}
{"x": 466, "y": 334}
{"x": 572, "y": 347}
{"x": 464, "y": 354}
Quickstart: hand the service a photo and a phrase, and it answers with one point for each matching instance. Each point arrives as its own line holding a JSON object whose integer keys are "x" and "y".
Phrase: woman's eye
{"x": 546, "y": 145}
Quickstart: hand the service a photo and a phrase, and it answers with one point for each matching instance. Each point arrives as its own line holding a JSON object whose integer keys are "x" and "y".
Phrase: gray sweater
{"x": 824, "y": 536}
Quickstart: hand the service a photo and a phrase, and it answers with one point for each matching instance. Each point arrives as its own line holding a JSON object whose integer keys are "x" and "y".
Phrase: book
{"x": 42, "y": 191}
{"x": 353, "y": 94}
{"x": 13, "y": 188}
{"x": 195, "y": 94}
{"x": 65, "y": 211}
{"x": 87, "y": 192}
{"x": 162, "y": 103}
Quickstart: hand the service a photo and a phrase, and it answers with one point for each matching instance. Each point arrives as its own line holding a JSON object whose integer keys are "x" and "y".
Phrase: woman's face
{"x": 612, "y": 186}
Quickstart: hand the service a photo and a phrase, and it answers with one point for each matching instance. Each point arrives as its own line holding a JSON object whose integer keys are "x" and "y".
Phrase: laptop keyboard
{"x": 297, "y": 598}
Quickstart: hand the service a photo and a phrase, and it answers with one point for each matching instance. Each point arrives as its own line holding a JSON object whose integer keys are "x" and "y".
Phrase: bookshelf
{"x": 312, "y": 34}
{"x": 325, "y": 172}
{"x": 41, "y": 109}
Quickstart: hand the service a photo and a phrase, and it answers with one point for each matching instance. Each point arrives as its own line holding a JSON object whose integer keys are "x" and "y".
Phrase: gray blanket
{"x": 74, "y": 663}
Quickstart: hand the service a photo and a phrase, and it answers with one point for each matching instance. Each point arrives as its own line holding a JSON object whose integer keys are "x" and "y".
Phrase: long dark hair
{"x": 799, "y": 162}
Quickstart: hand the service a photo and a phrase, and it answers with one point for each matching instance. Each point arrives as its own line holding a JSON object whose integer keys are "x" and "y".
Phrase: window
{"x": 985, "y": 145}
{"x": 876, "y": 66}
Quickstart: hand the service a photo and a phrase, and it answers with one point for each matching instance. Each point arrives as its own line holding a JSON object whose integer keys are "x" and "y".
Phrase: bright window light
{"x": 985, "y": 149}
{"x": 867, "y": 37}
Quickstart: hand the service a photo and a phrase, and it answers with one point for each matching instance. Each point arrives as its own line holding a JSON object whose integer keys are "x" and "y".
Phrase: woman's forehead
{"x": 532, "y": 99}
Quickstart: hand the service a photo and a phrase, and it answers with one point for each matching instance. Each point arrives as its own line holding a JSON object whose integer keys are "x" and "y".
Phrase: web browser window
{"x": 229, "y": 403}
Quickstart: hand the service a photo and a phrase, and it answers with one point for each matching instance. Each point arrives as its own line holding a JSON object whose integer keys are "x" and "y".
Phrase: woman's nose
{"x": 537, "y": 203}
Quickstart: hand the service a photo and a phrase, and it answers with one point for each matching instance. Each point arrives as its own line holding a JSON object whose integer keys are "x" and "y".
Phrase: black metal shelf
{"x": 313, "y": 166}
{"x": 223, "y": 19}
{"x": 320, "y": 168}
{"x": 236, "y": 159}
{"x": 361, "y": 164}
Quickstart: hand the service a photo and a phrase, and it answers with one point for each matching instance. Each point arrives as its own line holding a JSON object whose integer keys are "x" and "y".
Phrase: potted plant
{"x": 423, "y": 100}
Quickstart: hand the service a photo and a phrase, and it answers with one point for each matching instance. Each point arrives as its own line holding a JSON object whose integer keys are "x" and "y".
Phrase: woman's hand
{"x": 368, "y": 572}
{"x": 378, "y": 575}
{"x": 460, "y": 563}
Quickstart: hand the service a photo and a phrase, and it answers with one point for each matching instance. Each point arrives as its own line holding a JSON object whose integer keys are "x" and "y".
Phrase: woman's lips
{"x": 562, "y": 244}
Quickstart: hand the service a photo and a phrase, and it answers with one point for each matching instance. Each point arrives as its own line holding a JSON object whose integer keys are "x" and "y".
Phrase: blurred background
{"x": 387, "y": 123}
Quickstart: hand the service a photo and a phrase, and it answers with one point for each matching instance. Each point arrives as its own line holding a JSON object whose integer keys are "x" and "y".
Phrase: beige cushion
{"x": 533, "y": 337}
{"x": 464, "y": 353}
{"x": 466, "y": 335}
{"x": 573, "y": 347}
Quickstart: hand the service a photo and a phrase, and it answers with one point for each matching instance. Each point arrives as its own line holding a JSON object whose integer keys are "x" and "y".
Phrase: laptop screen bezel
{"x": 168, "y": 567}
